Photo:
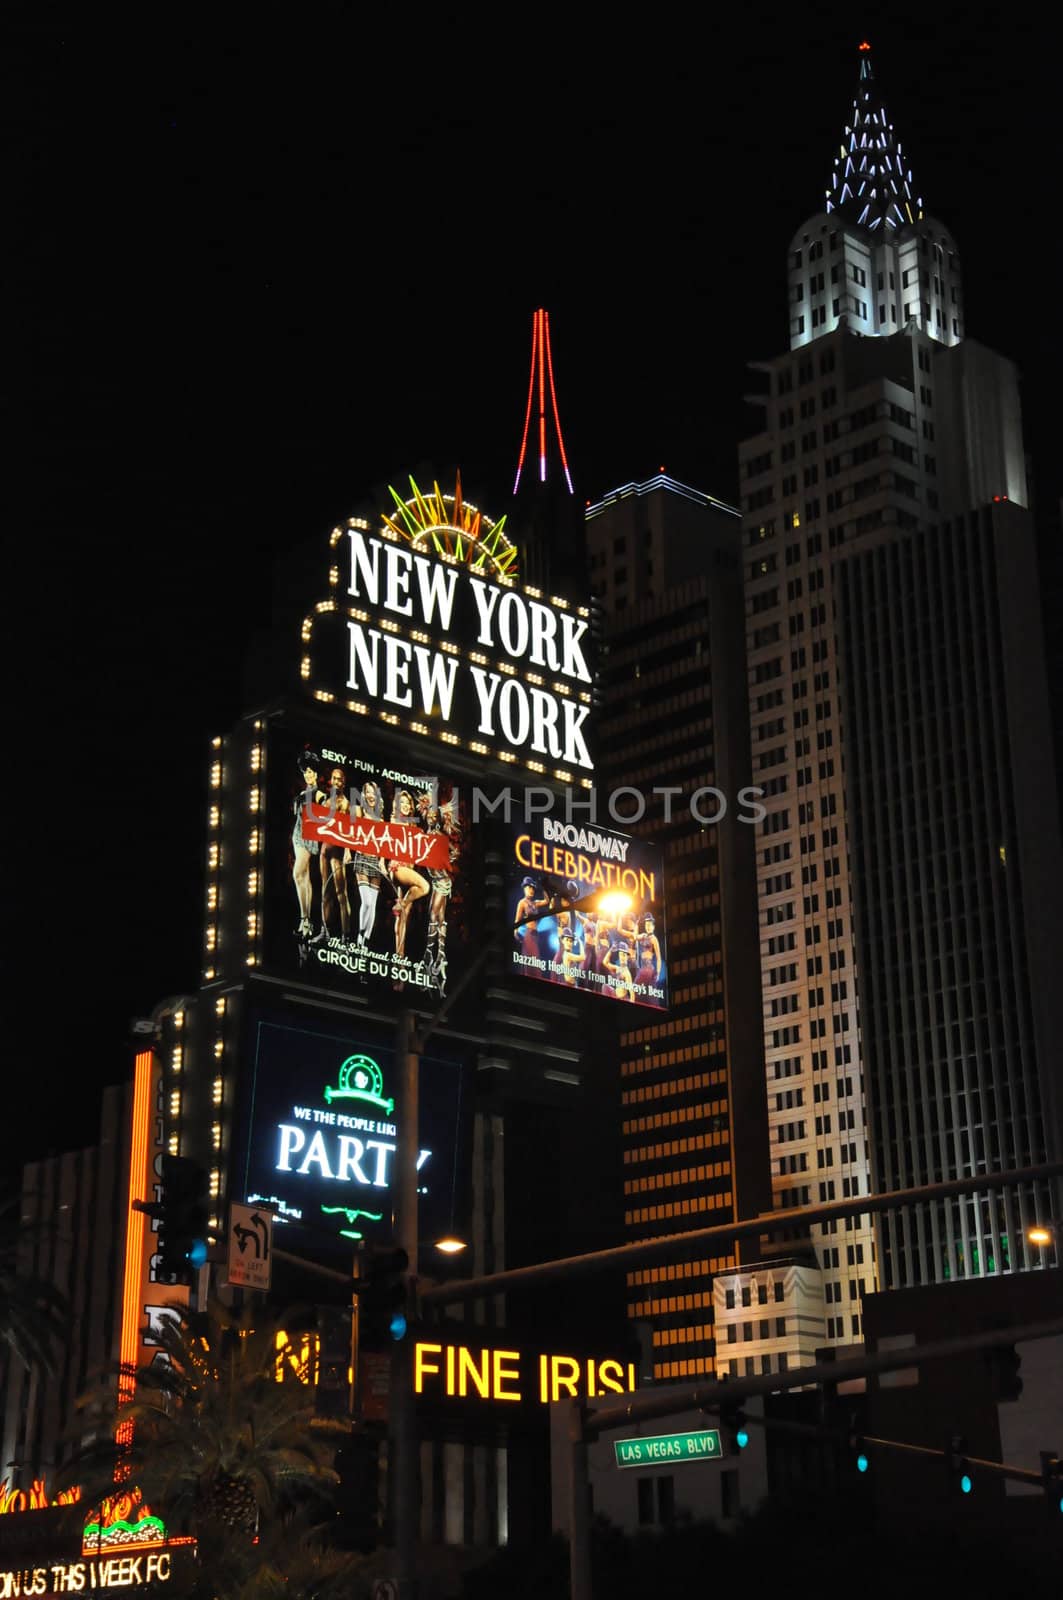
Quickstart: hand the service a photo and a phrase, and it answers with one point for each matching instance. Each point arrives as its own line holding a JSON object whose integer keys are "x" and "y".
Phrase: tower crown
{"x": 544, "y": 504}
{"x": 541, "y": 380}
{"x": 872, "y": 261}
{"x": 871, "y": 184}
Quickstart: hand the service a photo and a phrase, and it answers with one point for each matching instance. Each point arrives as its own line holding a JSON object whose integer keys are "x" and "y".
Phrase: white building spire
{"x": 871, "y": 183}
{"x": 872, "y": 260}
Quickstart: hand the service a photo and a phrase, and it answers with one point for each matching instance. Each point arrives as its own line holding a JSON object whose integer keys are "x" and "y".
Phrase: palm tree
{"x": 219, "y": 1448}
{"x": 33, "y": 1311}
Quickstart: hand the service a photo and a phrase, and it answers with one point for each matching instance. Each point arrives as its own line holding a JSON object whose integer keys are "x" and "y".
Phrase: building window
{"x": 645, "y": 1493}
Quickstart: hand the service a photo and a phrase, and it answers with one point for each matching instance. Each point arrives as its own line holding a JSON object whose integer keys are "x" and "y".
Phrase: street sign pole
{"x": 402, "y": 1456}
{"x": 579, "y": 1518}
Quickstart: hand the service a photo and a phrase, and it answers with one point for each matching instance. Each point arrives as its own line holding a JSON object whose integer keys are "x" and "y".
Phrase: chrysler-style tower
{"x": 909, "y": 866}
{"x": 894, "y": 267}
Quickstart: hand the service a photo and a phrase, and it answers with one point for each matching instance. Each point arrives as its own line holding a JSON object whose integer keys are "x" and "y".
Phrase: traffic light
{"x": 734, "y": 1427}
{"x": 859, "y": 1452}
{"x": 1052, "y": 1479}
{"x": 382, "y": 1288}
{"x": 1004, "y": 1363}
{"x": 182, "y": 1218}
{"x": 957, "y": 1465}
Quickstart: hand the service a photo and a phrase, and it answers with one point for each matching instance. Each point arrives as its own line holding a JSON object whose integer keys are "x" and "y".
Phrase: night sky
{"x": 266, "y": 260}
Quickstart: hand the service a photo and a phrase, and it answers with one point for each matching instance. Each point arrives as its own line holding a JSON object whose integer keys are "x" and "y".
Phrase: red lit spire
{"x": 541, "y": 375}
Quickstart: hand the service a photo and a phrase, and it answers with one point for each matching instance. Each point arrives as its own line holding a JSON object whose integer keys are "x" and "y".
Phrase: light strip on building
{"x": 134, "y": 1237}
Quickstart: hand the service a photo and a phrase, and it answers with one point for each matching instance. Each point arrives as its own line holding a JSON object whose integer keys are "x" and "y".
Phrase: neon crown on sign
{"x": 452, "y": 527}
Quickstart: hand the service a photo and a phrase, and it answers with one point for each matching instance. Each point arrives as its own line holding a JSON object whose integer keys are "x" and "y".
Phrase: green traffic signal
{"x": 958, "y": 1466}
{"x": 182, "y": 1212}
{"x": 382, "y": 1289}
{"x": 734, "y": 1426}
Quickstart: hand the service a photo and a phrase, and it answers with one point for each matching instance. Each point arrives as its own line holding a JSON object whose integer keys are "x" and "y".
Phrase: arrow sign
{"x": 250, "y": 1247}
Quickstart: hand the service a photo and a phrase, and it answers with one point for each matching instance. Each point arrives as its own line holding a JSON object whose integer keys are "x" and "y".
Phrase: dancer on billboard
{"x": 304, "y": 849}
{"x": 438, "y": 819}
{"x": 572, "y": 960}
{"x": 618, "y": 965}
{"x": 333, "y": 863}
{"x": 409, "y": 885}
{"x": 590, "y": 941}
{"x": 526, "y": 927}
{"x": 648, "y": 953}
{"x": 570, "y": 920}
{"x": 368, "y": 870}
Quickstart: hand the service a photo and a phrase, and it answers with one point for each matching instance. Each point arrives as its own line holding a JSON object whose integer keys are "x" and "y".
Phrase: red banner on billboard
{"x": 391, "y": 841}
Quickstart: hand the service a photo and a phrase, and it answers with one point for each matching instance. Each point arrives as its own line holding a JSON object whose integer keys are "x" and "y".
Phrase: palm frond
{"x": 34, "y": 1311}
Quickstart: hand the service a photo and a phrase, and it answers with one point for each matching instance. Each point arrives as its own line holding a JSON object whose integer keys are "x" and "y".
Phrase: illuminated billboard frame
{"x": 319, "y": 1132}
{"x": 618, "y": 955}
{"x": 499, "y": 669}
{"x": 365, "y": 868}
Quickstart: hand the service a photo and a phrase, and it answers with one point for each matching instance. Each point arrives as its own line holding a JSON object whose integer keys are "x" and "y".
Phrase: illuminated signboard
{"x": 426, "y": 630}
{"x": 445, "y": 1370}
{"x": 463, "y": 1372}
{"x": 365, "y": 878}
{"x": 604, "y": 949}
{"x": 35, "y": 1498}
{"x": 91, "y": 1576}
{"x": 664, "y": 1448}
{"x": 123, "y": 1545}
{"x": 321, "y": 1135}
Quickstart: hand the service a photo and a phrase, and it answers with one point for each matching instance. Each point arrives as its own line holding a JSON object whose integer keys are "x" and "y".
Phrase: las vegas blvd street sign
{"x": 666, "y": 1448}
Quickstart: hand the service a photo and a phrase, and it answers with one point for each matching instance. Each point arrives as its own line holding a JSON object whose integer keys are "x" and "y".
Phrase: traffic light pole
{"x": 410, "y": 1039}
{"x": 712, "y": 1240}
{"x": 714, "y": 1392}
{"x": 402, "y": 1434}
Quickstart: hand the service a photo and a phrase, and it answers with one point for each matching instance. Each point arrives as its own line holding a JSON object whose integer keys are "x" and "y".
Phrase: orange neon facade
{"x": 136, "y": 1222}
{"x": 138, "y": 1287}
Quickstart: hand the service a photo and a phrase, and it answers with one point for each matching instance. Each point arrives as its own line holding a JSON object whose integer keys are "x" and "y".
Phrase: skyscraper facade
{"x": 665, "y": 561}
{"x": 909, "y": 860}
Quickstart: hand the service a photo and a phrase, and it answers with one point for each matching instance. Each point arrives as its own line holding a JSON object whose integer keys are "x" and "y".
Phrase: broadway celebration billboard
{"x": 320, "y": 1127}
{"x": 588, "y": 910}
{"x": 364, "y": 867}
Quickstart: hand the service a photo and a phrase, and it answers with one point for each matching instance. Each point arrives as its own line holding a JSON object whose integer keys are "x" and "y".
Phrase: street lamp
{"x": 1041, "y": 1233}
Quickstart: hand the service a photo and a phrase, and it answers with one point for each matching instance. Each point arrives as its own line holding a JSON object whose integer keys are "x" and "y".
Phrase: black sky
{"x": 264, "y": 259}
